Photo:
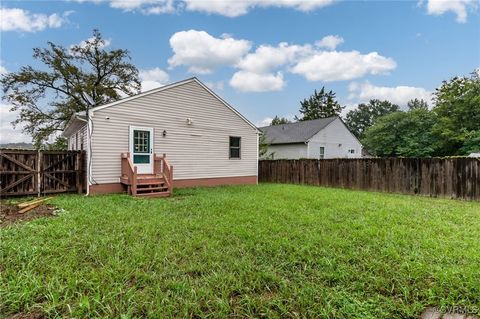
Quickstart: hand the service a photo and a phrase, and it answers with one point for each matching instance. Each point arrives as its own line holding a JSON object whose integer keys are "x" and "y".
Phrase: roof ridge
{"x": 297, "y": 132}
{"x": 298, "y": 122}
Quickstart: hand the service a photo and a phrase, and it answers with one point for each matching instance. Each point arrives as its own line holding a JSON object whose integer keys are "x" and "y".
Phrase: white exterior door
{"x": 141, "y": 148}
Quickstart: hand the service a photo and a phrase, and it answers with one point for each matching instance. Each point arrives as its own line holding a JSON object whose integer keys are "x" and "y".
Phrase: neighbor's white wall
{"x": 200, "y": 150}
{"x": 288, "y": 151}
{"x": 331, "y": 137}
{"x": 74, "y": 141}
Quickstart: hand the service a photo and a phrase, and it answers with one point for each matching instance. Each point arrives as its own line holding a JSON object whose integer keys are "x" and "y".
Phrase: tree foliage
{"x": 417, "y": 104}
{"x": 457, "y": 105}
{"x": 262, "y": 146}
{"x": 279, "y": 120}
{"x": 319, "y": 105}
{"x": 452, "y": 127}
{"x": 365, "y": 115}
{"x": 73, "y": 78}
{"x": 407, "y": 134}
{"x": 471, "y": 143}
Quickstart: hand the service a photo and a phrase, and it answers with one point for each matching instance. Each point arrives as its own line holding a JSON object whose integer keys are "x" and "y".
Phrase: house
{"x": 204, "y": 139}
{"x": 320, "y": 139}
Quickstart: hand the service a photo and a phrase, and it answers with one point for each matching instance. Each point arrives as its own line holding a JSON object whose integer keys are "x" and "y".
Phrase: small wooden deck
{"x": 158, "y": 184}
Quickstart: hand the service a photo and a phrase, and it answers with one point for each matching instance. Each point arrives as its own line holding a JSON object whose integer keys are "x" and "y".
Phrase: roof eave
{"x": 75, "y": 117}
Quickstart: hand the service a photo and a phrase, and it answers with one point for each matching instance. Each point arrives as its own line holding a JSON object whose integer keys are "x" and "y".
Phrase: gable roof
{"x": 172, "y": 85}
{"x": 162, "y": 88}
{"x": 299, "y": 132}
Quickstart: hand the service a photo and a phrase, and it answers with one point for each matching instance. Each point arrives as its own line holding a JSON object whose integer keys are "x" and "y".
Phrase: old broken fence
{"x": 28, "y": 172}
{"x": 436, "y": 177}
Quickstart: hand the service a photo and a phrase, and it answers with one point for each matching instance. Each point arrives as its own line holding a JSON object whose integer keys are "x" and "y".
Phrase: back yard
{"x": 244, "y": 251}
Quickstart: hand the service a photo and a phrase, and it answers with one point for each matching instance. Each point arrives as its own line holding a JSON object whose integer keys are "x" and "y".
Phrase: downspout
{"x": 89, "y": 152}
{"x": 258, "y": 151}
{"x": 90, "y": 103}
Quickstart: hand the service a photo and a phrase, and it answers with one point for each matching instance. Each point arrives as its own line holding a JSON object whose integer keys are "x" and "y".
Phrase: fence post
{"x": 78, "y": 172}
{"x": 39, "y": 173}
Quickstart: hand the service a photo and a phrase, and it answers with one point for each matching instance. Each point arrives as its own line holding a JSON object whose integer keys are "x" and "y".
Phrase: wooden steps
{"x": 152, "y": 186}
{"x": 147, "y": 185}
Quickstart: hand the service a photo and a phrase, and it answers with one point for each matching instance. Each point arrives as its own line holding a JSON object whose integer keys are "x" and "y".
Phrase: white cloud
{"x": 262, "y": 70}
{"x": 232, "y": 8}
{"x": 337, "y": 65}
{"x": 264, "y": 122}
{"x": 153, "y": 78}
{"x": 256, "y": 68}
{"x": 7, "y": 133}
{"x": 459, "y": 7}
{"x": 254, "y": 82}
{"x": 3, "y": 69}
{"x": 83, "y": 43}
{"x": 202, "y": 53}
{"x": 215, "y": 86}
{"x": 266, "y": 57}
{"x": 145, "y": 6}
{"x": 15, "y": 19}
{"x": 330, "y": 42}
{"x": 398, "y": 94}
{"x": 228, "y": 8}
{"x": 313, "y": 63}
{"x": 268, "y": 120}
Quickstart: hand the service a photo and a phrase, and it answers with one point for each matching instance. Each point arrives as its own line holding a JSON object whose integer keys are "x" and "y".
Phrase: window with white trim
{"x": 234, "y": 147}
{"x": 322, "y": 152}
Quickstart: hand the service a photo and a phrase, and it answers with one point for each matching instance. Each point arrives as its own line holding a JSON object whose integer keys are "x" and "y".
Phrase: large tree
{"x": 365, "y": 115}
{"x": 417, "y": 104}
{"x": 471, "y": 143}
{"x": 319, "y": 105}
{"x": 407, "y": 134}
{"x": 457, "y": 105}
{"x": 279, "y": 120}
{"x": 72, "y": 79}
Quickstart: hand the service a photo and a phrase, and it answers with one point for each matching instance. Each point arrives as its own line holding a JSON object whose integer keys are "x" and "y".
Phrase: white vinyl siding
{"x": 199, "y": 150}
{"x": 287, "y": 151}
{"x": 76, "y": 139}
{"x": 337, "y": 142}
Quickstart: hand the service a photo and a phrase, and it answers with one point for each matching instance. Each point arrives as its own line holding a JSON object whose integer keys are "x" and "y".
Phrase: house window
{"x": 322, "y": 152}
{"x": 352, "y": 151}
{"x": 234, "y": 147}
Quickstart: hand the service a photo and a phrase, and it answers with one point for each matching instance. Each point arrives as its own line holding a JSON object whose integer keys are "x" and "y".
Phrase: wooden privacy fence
{"x": 436, "y": 177}
{"x": 28, "y": 172}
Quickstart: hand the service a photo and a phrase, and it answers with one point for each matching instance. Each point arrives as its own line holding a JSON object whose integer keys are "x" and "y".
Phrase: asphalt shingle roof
{"x": 298, "y": 132}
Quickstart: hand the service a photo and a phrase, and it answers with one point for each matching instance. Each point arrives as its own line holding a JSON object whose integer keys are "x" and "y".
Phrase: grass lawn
{"x": 245, "y": 251}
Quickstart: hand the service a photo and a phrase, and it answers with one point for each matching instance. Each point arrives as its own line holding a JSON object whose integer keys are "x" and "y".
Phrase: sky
{"x": 261, "y": 56}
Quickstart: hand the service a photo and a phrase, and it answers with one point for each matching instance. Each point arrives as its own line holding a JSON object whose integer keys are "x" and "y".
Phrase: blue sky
{"x": 263, "y": 57}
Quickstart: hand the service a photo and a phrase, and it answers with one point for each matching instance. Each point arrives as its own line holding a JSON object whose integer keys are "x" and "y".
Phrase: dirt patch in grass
{"x": 36, "y": 314}
{"x": 9, "y": 213}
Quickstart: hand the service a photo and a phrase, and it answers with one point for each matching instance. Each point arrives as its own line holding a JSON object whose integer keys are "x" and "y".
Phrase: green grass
{"x": 247, "y": 251}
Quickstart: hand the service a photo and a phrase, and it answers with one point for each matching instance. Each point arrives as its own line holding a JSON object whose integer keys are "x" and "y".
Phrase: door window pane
{"x": 141, "y": 159}
{"x": 141, "y": 141}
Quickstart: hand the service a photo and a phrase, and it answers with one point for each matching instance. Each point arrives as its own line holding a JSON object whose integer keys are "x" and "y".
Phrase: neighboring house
{"x": 474, "y": 155}
{"x": 206, "y": 140}
{"x": 320, "y": 138}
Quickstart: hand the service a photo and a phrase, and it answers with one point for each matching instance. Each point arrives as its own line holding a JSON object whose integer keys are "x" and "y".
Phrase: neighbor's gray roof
{"x": 298, "y": 132}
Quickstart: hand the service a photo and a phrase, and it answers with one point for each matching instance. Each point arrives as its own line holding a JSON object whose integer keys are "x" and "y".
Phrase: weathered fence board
{"x": 436, "y": 177}
{"x": 26, "y": 172}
